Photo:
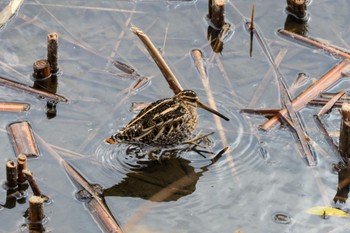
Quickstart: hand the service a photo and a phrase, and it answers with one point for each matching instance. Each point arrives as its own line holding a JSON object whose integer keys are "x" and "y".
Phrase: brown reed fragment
{"x": 218, "y": 10}
{"x": 102, "y": 218}
{"x": 251, "y": 27}
{"x": 297, "y": 8}
{"x": 197, "y": 56}
{"x": 124, "y": 67}
{"x": 21, "y": 165}
{"x": 96, "y": 205}
{"x": 52, "y": 51}
{"x": 14, "y": 107}
{"x": 328, "y": 106}
{"x": 32, "y": 182}
{"x": 328, "y": 48}
{"x": 39, "y": 93}
{"x": 344, "y": 138}
{"x": 157, "y": 57}
{"x": 22, "y": 138}
{"x": 11, "y": 174}
{"x": 41, "y": 69}
{"x": 36, "y": 209}
{"x": 265, "y": 112}
{"x": 312, "y": 92}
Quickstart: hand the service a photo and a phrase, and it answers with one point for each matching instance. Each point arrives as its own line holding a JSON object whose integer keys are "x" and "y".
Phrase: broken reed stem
{"x": 328, "y": 48}
{"x": 14, "y": 107}
{"x": 41, "y": 69}
{"x": 21, "y": 165}
{"x": 252, "y": 18}
{"x": 157, "y": 57}
{"x": 52, "y": 51}
{"x": 97, "y": 205}
{"x": 344, "y": 138}
{"x": 217, "y": 16}
{"x": 39, "y": 93}
{"x": 32, "y": 182}
{"x": 11, "y": 174}
{"x": 312, "y": 92}
{"x": 103, "y": 218}
{"x": 329, "y": 105}
{"x": 36, "y": 210}
{"x": 297, "y": 8}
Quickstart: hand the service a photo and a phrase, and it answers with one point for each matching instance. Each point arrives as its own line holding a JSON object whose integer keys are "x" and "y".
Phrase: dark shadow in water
{"x": 16, "y": 195}
{"x": 49, "y": 85}
{"x": 296, "y": 25}
{"x": 213, "y": 36}
{"x": 343, "y": 184}
{"x": 167, "y": 179}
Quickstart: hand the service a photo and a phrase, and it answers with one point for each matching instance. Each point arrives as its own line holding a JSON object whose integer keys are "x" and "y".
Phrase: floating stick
{"x": 22, "y": 138}
{"x": 21, "y": 165}
{"x": 52, "y": 51}
{"x": 11, "y": 174}
{"x": 157, "y": 57}
{"x": 328, "y": 48}
{"x": 14, "y": 107}
{"x": 22, "y": 87}
{"x": 96, "y": 205}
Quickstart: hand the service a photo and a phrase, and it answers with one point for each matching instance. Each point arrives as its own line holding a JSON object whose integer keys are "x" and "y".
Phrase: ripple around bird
{"x": 242, "y": 155}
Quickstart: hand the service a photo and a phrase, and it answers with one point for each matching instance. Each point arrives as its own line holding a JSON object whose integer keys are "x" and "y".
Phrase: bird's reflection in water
{"x": 166, "y": 179}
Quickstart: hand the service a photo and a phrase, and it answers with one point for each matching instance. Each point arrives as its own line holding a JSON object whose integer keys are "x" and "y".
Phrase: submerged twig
{"x": 157, "y": 57}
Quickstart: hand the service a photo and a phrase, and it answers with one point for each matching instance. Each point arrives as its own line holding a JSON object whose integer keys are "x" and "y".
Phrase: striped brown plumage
{"x": 164, "y": 123}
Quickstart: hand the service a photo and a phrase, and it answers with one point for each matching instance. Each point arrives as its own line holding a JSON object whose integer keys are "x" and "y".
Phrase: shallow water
{"x": 261, "y": 173}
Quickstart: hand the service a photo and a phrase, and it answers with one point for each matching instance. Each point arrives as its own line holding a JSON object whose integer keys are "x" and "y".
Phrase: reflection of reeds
{"x": 197, "y": 56}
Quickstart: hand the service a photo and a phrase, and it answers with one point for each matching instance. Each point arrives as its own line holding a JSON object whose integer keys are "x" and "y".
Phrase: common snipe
{"x": 164, "y": 123}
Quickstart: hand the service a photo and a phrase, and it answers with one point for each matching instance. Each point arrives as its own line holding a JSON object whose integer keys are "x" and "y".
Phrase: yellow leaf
{"x": 328, "y": 211}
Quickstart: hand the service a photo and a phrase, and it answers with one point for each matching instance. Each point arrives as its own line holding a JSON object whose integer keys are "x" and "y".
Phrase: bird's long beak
{"x": 202, "y": 105}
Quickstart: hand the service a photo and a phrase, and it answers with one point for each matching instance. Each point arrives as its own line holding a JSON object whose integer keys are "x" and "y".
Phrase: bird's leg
{"x": 150, "y": 155}
{"x": 199, "y": 137}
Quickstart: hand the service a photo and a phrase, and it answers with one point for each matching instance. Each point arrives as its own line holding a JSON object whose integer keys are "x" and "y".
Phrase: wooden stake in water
{"x": 21, "y": 165}
{"x": 52, "y": 51}
{"x": 11, "y": 174}
{"x": 36, "y": 210}
{"x": 41, "y": 69}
